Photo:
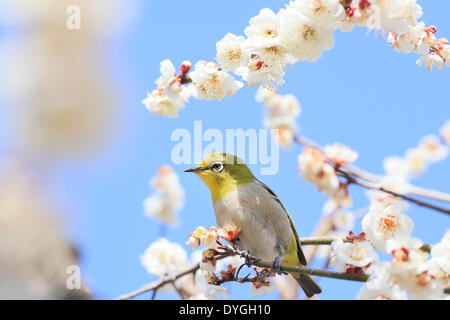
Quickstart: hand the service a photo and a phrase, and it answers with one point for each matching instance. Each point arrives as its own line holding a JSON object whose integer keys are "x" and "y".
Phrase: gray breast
{"x": 263, "y": 221}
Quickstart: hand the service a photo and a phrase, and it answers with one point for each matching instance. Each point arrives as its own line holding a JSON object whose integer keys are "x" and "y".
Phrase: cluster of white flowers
{"x": 164, "y": 259}
{"x": 203, "y": 279}
{"x": 399, "y": 170}
{"x": 169, "y": 95}
{"x": 316, "y": 167}
{"x": 299, "y": 32}
{"x": 209, "y": 264}
{"x": 211, "y": 82}
{"x": 439, "y": 264}
{"x": 281, "y": 114}
{"x": 206, "y": 82}
{"x": 207, "y": 238}
{"x": 421, "y": 39}
{"x": 409, "y": 274}
{"x": 168, "y": 198}
{"x": 356, "y": 256}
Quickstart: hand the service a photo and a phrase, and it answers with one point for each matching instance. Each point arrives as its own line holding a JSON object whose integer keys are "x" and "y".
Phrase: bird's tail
{"x": 308, "y": 285}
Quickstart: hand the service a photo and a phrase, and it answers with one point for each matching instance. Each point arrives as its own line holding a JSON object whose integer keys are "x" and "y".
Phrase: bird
{"x": 241, "y": 200}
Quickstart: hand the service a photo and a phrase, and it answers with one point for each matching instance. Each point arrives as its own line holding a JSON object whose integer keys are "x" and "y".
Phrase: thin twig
{"x": 177, "y": 290}
{"x": 373, "y": 186}
{"x": 155, "y": 286}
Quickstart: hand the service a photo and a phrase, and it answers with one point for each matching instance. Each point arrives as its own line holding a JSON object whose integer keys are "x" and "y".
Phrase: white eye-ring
{"x": 217, "y": 167}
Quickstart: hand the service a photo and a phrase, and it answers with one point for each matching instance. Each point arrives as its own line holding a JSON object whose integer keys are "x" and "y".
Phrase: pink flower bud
{"x": 185, "y": 67}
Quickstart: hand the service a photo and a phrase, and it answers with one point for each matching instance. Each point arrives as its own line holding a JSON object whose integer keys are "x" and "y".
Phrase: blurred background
{"x": 77, "y": 147}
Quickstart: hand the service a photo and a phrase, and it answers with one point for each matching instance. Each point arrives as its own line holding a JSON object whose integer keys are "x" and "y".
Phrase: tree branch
{"x": 373, "y": 186}
{"x": 368, "y": 180}
{"x": 327, "y": 241}
{"x": 155, "y": 286}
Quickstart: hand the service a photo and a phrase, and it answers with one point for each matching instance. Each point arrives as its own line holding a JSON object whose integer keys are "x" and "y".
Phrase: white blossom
{"x": 170, "y": 95}
{"x": 209, "y": 239}
{"x": 398, "y": 15}
{"x": 328, "y": 13}
{"x": 232, "y": 52}
{"x": 262, "y": 290}
{"x": 264, "y": 38}
{"x": 434, "y": 268}
{"x": 423, "y": 286}
{"x": 210, "y": 82}
{"x": 415, "y": 161}
{"x": 407, "y": 258}
{"x": 195, "y": 237}
{"x": 340, "y": 154}
{"x": 303, "y": 37}
{"x": 396, "y": 166}
{"x": 432, "y": 148}
{"x": 314, "y": 168}
{"x": 210, "y": 291}
{"x": 411, "y": 40}
{"x": 258, "y": 73}
{"x": 441, "y": 253}
{"x": 193, "y": 243}
{"x": 168, "y": 198}
{"x": 204, "y": 278}
{"x": 281, "y": 114}
{"x": 346, "y": 255}
{"x": 379, "y": 287}
{"x": 384, "y": 223}
{"x": 395, "y": 183}
{"x": 159, "y": 103}
{"x": 164, "y": 258}
{"x": 431, "y": 59}
{"x": 444, "y": 50}
{"x": 343, "y": 220}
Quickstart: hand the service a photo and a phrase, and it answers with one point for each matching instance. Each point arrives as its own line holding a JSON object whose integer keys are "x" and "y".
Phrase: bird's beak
{"x": 195, "y": 169}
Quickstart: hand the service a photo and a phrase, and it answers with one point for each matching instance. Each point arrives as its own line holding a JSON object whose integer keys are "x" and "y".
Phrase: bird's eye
{"x": 217, "y": 167}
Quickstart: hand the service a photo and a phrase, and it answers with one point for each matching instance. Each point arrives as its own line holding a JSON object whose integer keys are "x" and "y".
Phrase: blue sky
{"x": 361, "y": 93}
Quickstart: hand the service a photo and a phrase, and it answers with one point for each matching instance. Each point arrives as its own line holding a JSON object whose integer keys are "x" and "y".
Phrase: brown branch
{"x": 373, "y": 186}
{"x": 155, "y": 286}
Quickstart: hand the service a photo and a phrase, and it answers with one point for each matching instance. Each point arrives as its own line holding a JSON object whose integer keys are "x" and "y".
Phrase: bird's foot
{"x": 276, "y": 265}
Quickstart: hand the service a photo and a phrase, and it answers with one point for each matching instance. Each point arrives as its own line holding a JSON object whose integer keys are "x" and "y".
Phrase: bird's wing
{"x": 301, "y": 256}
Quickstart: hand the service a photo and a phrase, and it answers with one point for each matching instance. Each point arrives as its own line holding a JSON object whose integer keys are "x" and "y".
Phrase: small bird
{"x": 241, "y": 200}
